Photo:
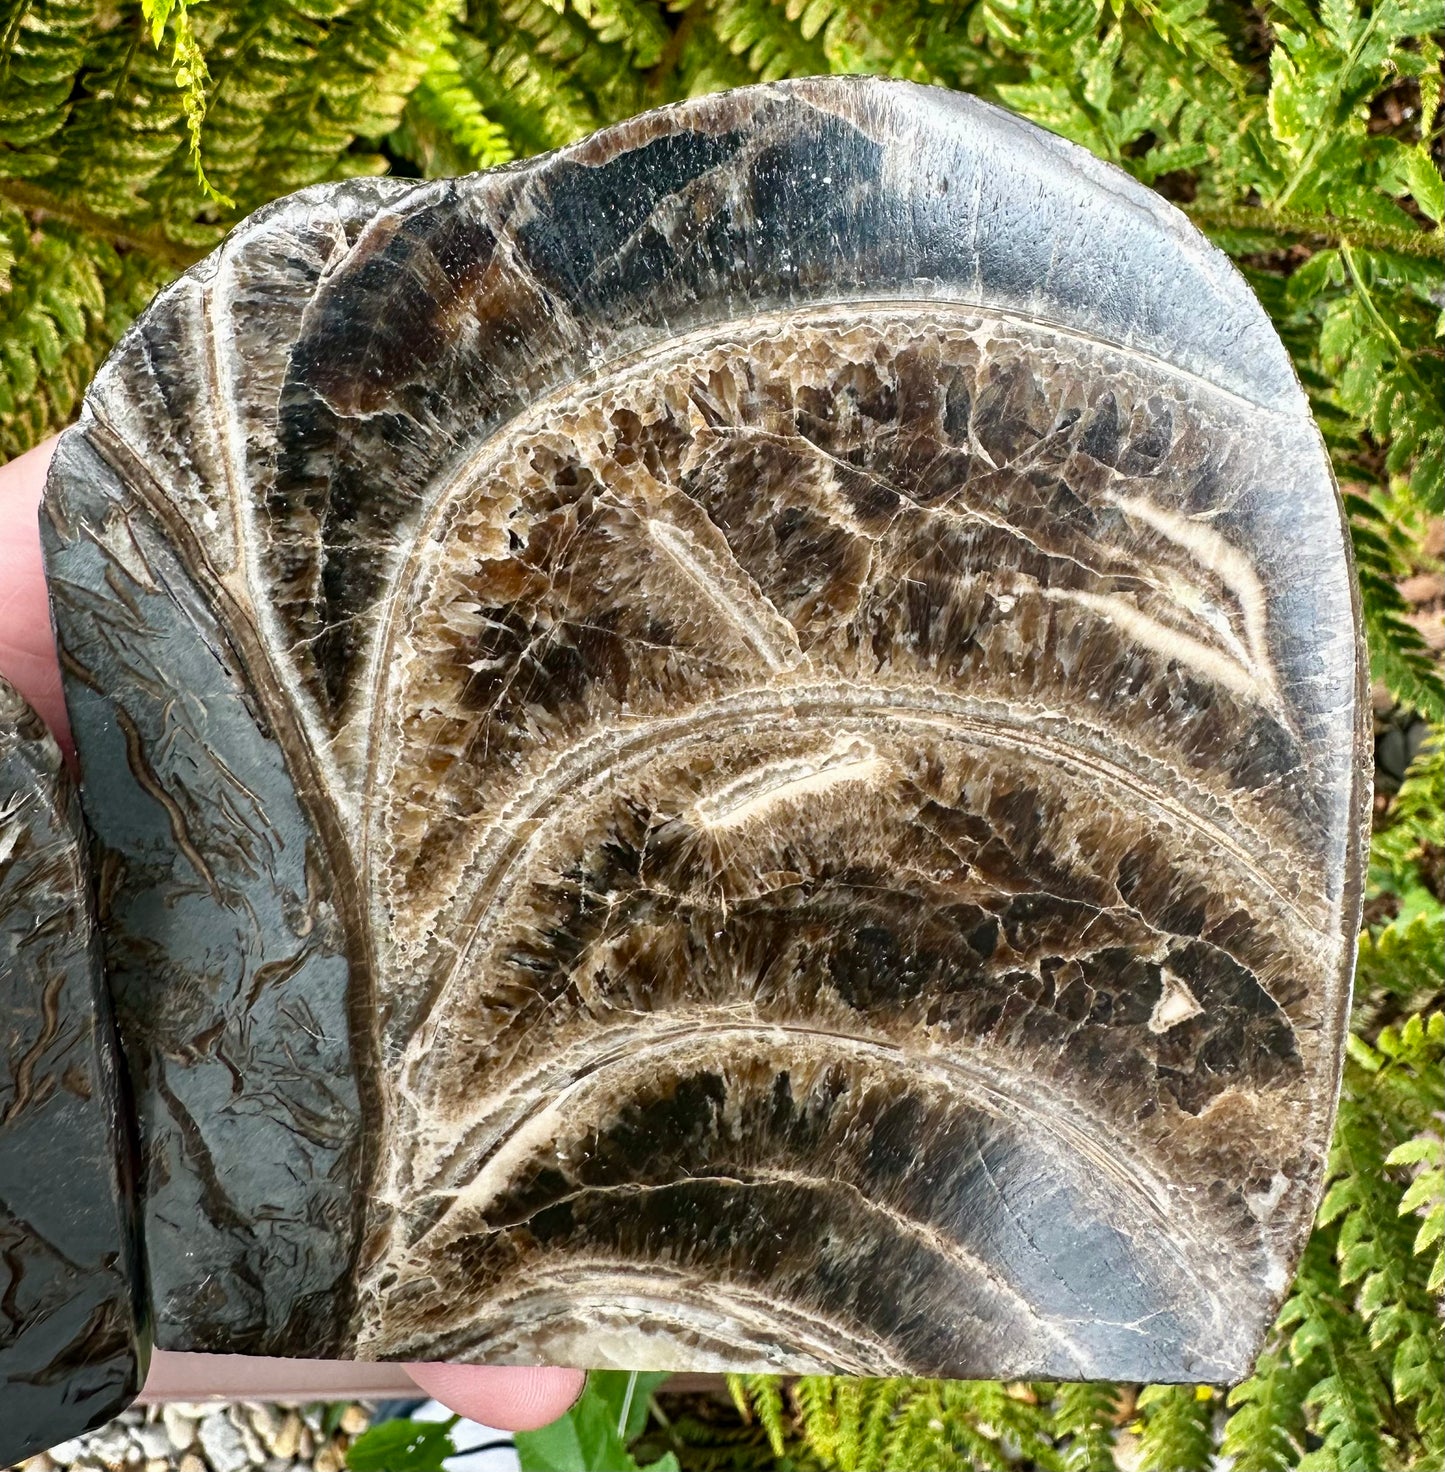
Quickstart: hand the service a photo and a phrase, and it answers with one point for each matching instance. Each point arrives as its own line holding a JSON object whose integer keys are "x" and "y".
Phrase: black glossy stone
{"x": 739, "y": 746}
{"x": 72, "y": 1345}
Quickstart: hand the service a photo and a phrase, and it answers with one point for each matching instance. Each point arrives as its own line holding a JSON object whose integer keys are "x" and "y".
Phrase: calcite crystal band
{"x": 736, "y": 747}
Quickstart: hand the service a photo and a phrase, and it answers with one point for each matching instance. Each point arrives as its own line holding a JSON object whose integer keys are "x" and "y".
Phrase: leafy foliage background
{"x": 1304, "y": 136}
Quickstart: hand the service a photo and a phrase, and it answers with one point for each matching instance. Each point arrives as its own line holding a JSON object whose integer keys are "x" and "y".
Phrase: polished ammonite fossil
{"x": 738, "y": 746}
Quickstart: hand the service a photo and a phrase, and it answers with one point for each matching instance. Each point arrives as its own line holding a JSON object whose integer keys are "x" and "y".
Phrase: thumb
{"x": 27, "y": 647}
{"x": 511, "y": 1398}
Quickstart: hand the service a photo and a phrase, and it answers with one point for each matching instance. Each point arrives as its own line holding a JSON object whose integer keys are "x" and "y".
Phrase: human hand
{"x": 517, "y": 1398}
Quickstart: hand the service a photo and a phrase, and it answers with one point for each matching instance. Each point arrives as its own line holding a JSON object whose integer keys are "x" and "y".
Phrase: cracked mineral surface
{"x": 737, "y": 747}
{"x": 71, "y": 1350}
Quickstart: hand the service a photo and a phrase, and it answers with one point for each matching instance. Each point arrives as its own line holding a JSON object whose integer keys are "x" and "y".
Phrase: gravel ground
{"x": 211, "y": 1437}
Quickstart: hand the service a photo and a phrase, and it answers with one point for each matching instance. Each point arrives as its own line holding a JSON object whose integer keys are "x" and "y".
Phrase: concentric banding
{"x": 673, "y": 790}
{"x": 823, "y": 599}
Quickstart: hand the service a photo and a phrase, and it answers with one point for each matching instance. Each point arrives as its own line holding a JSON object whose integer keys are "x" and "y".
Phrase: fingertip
{"x": 27, "y": 647}
{"x": 509, "y": 1397}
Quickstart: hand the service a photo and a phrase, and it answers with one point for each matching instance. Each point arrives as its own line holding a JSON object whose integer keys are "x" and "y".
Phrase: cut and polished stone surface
{"x": 72, "y": 1349}
{"x": 739, "y": 746}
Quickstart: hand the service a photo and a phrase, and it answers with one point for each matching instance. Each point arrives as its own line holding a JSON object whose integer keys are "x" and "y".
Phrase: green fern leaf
{"x": 1177, "y": 1427}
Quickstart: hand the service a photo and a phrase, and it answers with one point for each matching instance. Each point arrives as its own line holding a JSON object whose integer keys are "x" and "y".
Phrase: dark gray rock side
{"x": 73, "y": 1349}
{"x": 738, "y": 746}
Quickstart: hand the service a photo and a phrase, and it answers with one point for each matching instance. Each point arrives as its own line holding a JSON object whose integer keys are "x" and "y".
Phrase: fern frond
{"x": 192, "y": 77}
{"x": 881, "y": 39}
{"x": 761, "y": 34}
{"x": 42, "y": 47}
{"x": 1267, "y": 1425}
{"x": 1399, "y": 655}
{"x": 812, "y": 1397}
{"x": 1347, "y": 1399}
{"x": 761, "y": 1396}
{"x": 1405, "y": 959}
{"x": 1426, "y": 1196}
{"x": 445, "y": 128}
{"x": 1083, "y": 1420}
{"x": 534, "y": 100}
{"x": 1177, "y": 1428}
{"x": 637, "y": 26}
{"x": 885, "y": 1398}
{"x": 56, "y": 318}
{"x": 1416, "y": 823}
{"x": 1394, "y": 1091}
{"x": 1188, "y": 29}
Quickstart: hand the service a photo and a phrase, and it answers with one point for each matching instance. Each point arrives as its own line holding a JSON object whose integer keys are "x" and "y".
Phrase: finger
{"x": 198, "y": 1377}
{"x": 511, "y": 1398}
{"x": 27, "y": 648}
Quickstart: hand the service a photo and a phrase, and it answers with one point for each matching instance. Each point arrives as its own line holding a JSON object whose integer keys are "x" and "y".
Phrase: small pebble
{"x": 267, "y": 1422}
{"x": 289, "y": 1441}
{"x": 355, "y": 1420}
{"x": 242, "y": 1437}
{"x": 1129, "y": 1453}
{"x": 222, "y": 1444}
{"x": 179, "y": 1428}
{"x": 240, "y": 1418}
{"x": 154, "y": 1441}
